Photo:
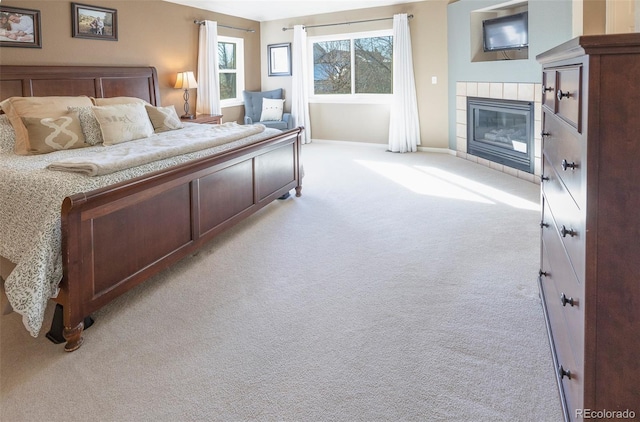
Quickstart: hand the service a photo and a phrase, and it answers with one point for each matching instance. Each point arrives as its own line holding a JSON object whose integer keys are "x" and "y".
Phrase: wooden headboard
{"x": 93, "y": 81}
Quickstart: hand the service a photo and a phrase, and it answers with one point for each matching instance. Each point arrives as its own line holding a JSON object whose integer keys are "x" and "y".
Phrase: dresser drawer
{"x": 564, "y": 298}
{"x": 565, "y": 150}
{"x": 568, "y": 220}
{"x": 572, "y": 386}
{"x": 568, "y": 96}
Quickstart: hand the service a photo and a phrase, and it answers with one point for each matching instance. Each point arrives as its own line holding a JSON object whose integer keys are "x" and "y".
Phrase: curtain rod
{"x": 197, "y": 22}
{"x": 345, "y": 23}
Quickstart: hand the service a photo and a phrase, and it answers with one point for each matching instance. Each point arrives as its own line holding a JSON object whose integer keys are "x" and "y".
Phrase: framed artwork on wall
{"x": 279, "y": 58}
{"x": 98, "y": 23}
{"x": 19, "y": 27}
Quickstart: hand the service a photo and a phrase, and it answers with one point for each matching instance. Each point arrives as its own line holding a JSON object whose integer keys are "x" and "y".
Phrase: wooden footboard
{"x": 117, "y": 237}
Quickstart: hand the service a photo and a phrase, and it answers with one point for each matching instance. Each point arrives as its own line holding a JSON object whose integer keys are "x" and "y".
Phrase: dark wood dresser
{"x": 590, "y": 230}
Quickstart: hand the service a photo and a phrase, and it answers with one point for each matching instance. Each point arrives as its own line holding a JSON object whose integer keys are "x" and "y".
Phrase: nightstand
{"x": 212, "y": 119}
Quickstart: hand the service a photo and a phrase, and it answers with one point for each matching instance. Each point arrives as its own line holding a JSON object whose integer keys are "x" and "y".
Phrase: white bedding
{"x": 30, "y": 200}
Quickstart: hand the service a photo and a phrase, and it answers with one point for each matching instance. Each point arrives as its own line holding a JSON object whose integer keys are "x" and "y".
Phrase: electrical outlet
{"x": 434, "y": 80}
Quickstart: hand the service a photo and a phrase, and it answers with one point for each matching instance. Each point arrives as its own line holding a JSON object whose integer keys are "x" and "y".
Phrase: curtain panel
{"x": 208, "y": 99}
{"x": 404, "y": 123}
{"x": 299, "y": 81}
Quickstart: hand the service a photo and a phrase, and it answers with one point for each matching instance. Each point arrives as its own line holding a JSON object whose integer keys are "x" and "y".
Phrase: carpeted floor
{"x": 399, "y": 287}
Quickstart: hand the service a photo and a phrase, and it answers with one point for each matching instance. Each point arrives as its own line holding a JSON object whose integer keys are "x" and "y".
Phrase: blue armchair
{"x": 253, "y": 109}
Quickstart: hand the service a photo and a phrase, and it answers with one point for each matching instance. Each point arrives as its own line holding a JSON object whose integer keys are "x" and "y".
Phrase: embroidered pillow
{"x": 271, "y": 109}
{"x": 163, "y": 118}
{"x": 18, "y": 107}
{"x": 89, "y": 124}
{"x": 123, "y": 122}
{"x": 48, "y": 134}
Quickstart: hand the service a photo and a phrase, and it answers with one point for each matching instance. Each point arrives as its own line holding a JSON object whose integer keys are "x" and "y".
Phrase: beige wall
{"x": 163, "y": 35}
{"x": 370, "y": 122}
{"x": 150, "y": 33}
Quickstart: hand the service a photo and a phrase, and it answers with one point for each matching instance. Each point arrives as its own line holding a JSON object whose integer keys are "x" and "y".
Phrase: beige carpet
{"x": 399, "y": 287}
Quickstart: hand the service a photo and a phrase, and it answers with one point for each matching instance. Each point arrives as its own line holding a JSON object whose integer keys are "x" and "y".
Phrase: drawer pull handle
{"x": 546, "y": 89}
{"x": 543, "y": 134}
{"x": 542, "y": 273}
{"x": 562, "y": 95}
{"x": 543, "y": 225}
{"x": 567, "y": 165}
{"x": 564, "y": 373}
{"x": 544, "y": 178}
{"x": 565, "y": 231}
{"x": 564, "y": 299}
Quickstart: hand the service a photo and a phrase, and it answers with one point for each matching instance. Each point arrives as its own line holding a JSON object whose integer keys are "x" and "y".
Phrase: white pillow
{"x": 271, "y": 109}
{"x": 123, "y": 122}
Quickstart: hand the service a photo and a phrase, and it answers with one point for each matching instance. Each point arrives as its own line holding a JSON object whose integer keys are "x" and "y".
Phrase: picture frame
{"x": 26, "y": 30}
{"x": 93, "y": 22}
{"x": 279, "y": 59}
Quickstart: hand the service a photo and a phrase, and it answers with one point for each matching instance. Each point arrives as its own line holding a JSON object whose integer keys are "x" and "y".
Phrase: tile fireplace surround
{"x": 505, "y": 91}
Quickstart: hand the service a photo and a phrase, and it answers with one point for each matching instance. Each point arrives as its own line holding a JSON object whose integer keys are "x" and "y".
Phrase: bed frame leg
{"x": 55, "y": 334}
{"x": 298, "y": 191}
{"x": 74, "y": 337}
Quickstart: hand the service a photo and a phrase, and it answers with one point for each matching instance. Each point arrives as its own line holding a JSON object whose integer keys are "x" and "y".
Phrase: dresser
{"x": 589, "y": 275}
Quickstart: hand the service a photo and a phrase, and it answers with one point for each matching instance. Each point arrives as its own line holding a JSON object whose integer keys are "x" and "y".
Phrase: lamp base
{"x": 187, "y": 117}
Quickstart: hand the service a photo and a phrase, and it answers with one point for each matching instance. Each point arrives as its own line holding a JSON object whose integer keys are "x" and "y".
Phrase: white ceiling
{"x": 268, "y": 10}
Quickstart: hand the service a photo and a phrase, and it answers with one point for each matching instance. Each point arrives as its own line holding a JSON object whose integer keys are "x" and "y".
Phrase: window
{"x": 231, "y": 70}
{"x": 352, "y": 65}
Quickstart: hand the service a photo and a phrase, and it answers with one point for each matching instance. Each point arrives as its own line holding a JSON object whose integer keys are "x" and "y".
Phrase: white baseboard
{"x": 383, "y": 146}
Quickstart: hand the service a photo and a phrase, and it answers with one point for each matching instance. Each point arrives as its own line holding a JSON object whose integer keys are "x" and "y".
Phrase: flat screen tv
{"x": 506, "y": 32}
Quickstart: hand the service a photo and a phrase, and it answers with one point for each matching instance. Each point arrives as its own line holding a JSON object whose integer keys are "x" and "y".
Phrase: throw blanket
{"x": 135, "y": 153}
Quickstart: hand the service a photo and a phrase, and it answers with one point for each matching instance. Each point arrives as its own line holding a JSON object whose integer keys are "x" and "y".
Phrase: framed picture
{"x": 19, "y": 27}
{"x": 98, "y": 23}
{"x": 279, "y": 56}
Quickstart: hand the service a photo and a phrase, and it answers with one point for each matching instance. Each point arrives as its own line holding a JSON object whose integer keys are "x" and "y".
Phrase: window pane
{"x": 227, "y": 55}
{"x": 332, "y": 67}
{"x": 374, "y": 65}
{"x": 227, "y": 86}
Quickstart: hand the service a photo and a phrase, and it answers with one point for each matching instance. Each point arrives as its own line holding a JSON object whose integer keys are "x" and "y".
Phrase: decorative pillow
{"x": 163, "y": 118}
{"x": 117, "y": 100}
{"x": 18, "y": 107}
{"x": 48, "y": 134}
{"x": 271, "y": 109}
{"x": 89, "y": 124}
{"x": 123, "y": 122}
{"x": 7, "y": 135}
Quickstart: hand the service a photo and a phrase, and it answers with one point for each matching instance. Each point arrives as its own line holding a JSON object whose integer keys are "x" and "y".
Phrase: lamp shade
{"x": 186, "y": 80}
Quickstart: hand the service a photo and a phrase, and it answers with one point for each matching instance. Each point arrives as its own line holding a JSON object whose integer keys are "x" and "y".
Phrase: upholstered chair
{"x": 267, "y": 108}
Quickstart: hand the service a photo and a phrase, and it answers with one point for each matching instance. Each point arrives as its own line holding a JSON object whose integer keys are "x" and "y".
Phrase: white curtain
{"x": 404, "y": 125}
{"x": 208, "y": 100}
{"x": 299, "y": 80}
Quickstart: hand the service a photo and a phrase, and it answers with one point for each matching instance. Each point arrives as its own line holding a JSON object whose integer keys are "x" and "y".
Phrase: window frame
{"x": 239, "y": 71}
{"x": 345, "y": 98}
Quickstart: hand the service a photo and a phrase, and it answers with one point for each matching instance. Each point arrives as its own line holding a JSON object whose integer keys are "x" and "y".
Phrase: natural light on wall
{"x": 432, "y": 181}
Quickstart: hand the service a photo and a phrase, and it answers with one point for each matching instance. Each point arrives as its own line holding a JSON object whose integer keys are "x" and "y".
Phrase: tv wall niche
{"x": 478, "y": 53}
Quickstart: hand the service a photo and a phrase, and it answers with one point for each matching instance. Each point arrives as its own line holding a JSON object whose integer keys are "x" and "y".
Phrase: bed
{"x": 126, "y": 226}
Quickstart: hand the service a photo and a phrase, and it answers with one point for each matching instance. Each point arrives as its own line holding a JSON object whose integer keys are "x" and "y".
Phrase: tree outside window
{"x": 357, "y": 65}
{"x": 231, "y": 69}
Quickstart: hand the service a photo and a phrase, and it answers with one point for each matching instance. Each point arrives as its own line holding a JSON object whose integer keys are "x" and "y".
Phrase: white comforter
{"x": 30, "y": 200}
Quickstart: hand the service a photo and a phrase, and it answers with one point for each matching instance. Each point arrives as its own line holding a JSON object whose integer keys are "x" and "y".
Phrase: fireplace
{"x": 501, "y": 131}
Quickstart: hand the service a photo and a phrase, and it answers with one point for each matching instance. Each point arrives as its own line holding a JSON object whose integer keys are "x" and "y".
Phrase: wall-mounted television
{"x": 506, "y": 32}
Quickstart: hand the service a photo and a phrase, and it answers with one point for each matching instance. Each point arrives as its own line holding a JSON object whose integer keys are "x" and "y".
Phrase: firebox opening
{"x": 501, "y": 131}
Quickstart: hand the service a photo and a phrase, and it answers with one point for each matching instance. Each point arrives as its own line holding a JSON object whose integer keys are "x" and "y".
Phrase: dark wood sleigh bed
{"x": 117, "y": 237}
